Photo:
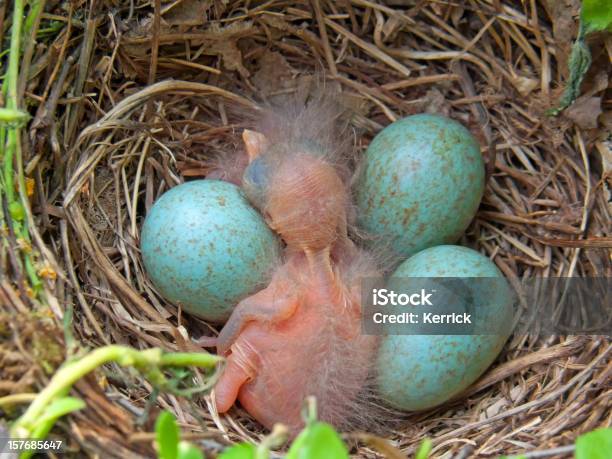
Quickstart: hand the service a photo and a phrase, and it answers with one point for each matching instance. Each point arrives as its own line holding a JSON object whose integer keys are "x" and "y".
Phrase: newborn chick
{"x": 301, "y": 335}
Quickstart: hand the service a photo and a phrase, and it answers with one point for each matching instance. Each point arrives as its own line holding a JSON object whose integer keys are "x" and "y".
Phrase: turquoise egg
{"x": 204, "y": 247}
{"x": 418, "y": 371}
{"x": 421, "y": 184}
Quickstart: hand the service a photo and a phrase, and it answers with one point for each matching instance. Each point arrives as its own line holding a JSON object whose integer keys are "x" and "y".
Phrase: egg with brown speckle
{"x": 205, "y": 247}
{"x": 421, "y": 183}
{"x": 429, "y": 362}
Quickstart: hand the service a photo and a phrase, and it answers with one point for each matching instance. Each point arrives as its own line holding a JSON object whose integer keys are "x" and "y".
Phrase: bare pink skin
{"x": 301, "y": 335}
{"x": 280, "y": 345}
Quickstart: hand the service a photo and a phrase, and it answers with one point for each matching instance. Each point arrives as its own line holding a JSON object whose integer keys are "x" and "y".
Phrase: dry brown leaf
{"x": 275, "y": 22}
{"x": 605, "y": 150}
{"x": 563, "y": 14}
{"x": 186, "y": 12}
{"x": 456, "y": 15}
{"x": 273, "y": 74}
{"x": 231, "y": 55}
{"x": 436, "y": 103}
{"x": 382, "y": 445}
{"x": 356, "y": 104}
{"x": 103, "y": 65}
{"x": 525, "y": 85}
{"x": 585, "y": 111}
{"x": 391, "y": 27}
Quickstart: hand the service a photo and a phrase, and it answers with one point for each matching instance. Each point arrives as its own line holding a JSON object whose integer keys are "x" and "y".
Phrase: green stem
{"x": 12, "y": 72}
{"x": 12, "y": 75}
{"x": 277, "y": 438}
{"x": 31, "y": 271}
{"x": 186, "y": 359}
{"x": 9, "y": 152}
{"x": 71, "y": 372}
{"x": 14, "y": 399}
{"x": 310, "y": 411}
{"x": 30, "y": 32}
{"x": 36, "y": 8}
{"x": 10, "y": 138}
{"x": 10, "y": 115}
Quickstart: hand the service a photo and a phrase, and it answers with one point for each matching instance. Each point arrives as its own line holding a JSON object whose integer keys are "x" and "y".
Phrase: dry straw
{"x": 133, "y": 97}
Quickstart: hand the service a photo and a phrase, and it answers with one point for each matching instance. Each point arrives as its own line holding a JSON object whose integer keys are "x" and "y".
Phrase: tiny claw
{"x": 255, "y": 143}
{"x": 206, "y": 341}
{"x": 228, "y": 387}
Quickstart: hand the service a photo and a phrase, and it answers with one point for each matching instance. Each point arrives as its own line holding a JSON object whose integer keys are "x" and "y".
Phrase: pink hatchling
{"x": 301, "y": 335}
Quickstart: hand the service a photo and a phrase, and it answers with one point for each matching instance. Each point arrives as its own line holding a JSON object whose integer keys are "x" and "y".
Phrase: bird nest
{"x": 135, "y": 98}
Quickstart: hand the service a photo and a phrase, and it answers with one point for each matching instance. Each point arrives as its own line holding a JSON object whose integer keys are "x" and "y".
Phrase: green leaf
{"x": 17, "y": 211}
{"x": 318, "y": 441}
{"x": 189, "y": 451}
{"x": 167, "y": 435}
{"x": 424, "y": 449}
{"x": 60, "y": 407}
{"x": 596, "y": 15}
{"x": 594, "y": 445}
{"x": 239, "y": 451}
{"x": 55, "y": 410}
{"x": 578, "y": 63}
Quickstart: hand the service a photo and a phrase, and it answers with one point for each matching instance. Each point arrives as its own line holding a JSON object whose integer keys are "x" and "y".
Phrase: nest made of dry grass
{"x": 132, "y": 98}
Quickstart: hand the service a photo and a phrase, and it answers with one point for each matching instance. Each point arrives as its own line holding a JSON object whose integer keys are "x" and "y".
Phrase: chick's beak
{"x": 255, "y": 143}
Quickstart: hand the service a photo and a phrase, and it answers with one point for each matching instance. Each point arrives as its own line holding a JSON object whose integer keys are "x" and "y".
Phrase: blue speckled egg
{"x": 420, "y": 371}
{"x": 422, "y": 182}
{"x": 205, "y": 247}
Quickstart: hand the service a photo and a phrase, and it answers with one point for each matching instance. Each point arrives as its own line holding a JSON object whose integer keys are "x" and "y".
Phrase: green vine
{"x": 12, "y": 119}
{"x": 53, "y": 401}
